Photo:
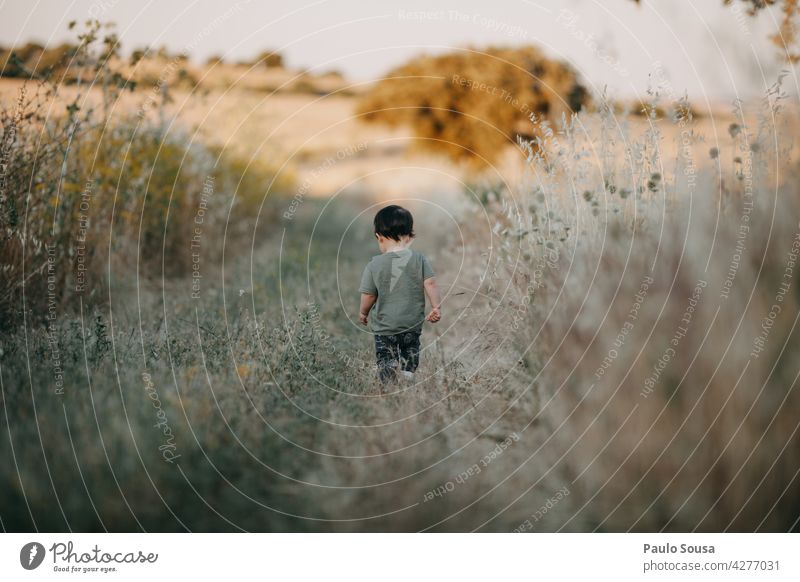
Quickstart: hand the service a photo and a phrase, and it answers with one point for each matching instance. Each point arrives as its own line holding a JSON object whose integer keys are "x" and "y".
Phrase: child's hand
{"x": 435, "y": 315}
{"x": 362, "y": 317}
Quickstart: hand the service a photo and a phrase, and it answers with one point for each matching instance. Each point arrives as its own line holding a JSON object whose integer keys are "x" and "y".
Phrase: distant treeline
{"x": 35, "y": 60}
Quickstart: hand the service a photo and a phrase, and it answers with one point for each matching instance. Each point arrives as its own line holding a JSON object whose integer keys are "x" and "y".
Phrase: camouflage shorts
{"x": 396, "y": 352}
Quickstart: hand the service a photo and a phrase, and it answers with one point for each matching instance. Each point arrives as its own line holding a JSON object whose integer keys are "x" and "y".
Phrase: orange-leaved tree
{"x": 470, "y": 104}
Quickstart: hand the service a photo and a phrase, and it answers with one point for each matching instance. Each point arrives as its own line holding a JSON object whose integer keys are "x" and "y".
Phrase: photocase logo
{"x": 31, "y": 555}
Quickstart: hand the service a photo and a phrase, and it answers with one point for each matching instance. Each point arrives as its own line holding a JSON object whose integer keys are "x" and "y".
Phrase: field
{"x": 616, "y": 353}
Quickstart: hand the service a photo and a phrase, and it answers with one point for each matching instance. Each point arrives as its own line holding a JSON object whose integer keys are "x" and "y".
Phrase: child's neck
{"x": 394, "y": 246}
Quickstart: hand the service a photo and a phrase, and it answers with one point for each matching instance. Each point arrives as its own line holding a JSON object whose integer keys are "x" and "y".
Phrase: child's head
{"x": 394, "y": 222}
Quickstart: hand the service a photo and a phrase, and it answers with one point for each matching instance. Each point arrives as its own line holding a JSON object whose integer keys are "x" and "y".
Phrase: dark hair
{"x": 393, "y": 222}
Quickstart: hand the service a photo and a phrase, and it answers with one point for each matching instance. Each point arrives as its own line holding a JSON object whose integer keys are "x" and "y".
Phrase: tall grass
{"x": 88, "y": 183}
{"x": 661, "y": 327}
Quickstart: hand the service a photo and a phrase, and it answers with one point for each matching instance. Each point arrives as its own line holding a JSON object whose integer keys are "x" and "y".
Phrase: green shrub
{"x": 93, "y": 190}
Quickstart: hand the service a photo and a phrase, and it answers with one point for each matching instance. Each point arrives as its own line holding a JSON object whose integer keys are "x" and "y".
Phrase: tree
{"x": 786, "y": 39}
{"x": 469, "y": 104}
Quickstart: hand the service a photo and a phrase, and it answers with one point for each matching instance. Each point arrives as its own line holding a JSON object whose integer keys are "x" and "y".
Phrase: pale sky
{"x": 699, "y": 46}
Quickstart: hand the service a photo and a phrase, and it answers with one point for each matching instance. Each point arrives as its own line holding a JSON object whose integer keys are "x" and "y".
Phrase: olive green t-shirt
{"x": 396, "y": 279}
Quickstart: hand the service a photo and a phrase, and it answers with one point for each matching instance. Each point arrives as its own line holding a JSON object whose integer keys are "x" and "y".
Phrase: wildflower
{"x": 734, "y": 129}
{"x": 713, "y": 153}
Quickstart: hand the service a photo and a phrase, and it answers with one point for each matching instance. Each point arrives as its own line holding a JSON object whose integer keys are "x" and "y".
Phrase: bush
{"x": 268, "y": 59}
{"x": 471, "y": 104}
{"x": 81, "y": 188}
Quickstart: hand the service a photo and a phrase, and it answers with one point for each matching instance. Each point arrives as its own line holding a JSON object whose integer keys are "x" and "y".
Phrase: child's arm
{"x": 432, "y": 292}
{"x": 367, "y": 301}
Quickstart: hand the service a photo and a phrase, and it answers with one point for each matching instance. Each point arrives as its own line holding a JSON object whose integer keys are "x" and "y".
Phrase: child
{"x": 393, "y": 288}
